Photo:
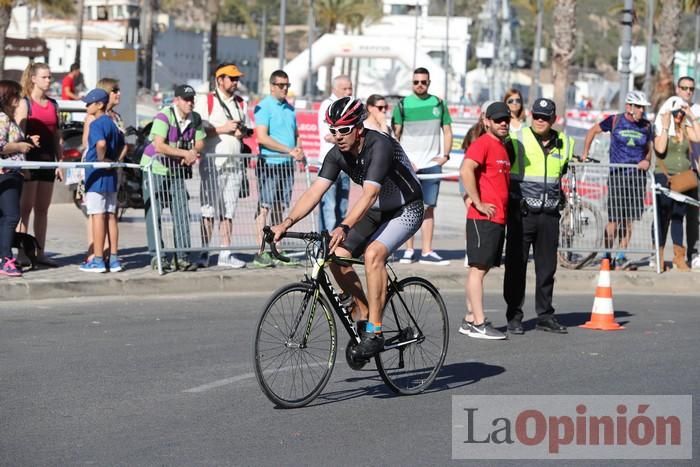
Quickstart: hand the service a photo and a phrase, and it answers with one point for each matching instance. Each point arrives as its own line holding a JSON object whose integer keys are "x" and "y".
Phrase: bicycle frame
{"x": 321, "y": 283}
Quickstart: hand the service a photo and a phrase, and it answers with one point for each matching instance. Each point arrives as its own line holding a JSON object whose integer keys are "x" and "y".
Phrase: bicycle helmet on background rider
{"x": 346, "y": 111}
{"x": 637, "y": 98}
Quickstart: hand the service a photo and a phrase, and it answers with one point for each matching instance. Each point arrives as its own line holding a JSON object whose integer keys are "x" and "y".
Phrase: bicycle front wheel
{"x": 580, "y": 228}
{"x": 415, "y": 327}
{"x": 295, "y": 346}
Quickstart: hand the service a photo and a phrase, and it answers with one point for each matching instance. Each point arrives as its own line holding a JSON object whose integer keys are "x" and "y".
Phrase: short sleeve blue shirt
{"x": 281, "y": 123}
{"x": 629, "y": 140}
{"x": 103, "y": 180}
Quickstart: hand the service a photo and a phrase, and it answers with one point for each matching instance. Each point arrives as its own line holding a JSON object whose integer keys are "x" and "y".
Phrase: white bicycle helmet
{"x": 637, "y": 98}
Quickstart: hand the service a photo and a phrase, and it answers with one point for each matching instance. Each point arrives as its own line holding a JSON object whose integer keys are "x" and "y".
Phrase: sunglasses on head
{"x": 544, "y": 118}
{"x": 424, "y": 82}
{"x": 687, "y": 88}
{"x": 281, "y": 85}
{"x": 341, "y": 130}
{"x": 514, "y": 100}
{"x": 115, "y": 90}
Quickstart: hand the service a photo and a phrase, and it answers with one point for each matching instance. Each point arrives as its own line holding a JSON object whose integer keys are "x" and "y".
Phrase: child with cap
{"x": 105, "y": 143}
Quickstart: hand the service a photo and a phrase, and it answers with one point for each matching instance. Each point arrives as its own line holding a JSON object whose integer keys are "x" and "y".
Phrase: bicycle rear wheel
{"x": 416, "y": 313}
{"x": 582, "y": 228}
{"x": 289, "y": 372}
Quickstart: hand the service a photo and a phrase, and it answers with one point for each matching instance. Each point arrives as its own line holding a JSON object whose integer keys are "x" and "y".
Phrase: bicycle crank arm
{"x": 403, "y": 343}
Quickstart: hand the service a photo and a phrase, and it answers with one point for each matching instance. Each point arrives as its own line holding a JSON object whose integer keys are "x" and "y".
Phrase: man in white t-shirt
{"x": 334, "y": 204}
{"x": 226, "y": 122}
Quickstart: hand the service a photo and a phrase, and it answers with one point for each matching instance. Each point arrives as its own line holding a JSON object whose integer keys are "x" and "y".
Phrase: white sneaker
{"x": 695, "y": 264}
{"x": 409, "y": 256}
{"x": 466, "y": 261}
{"x": 485, "y": 331}
{"x": 228, "y": 259}
{"x": 433, "y": 258}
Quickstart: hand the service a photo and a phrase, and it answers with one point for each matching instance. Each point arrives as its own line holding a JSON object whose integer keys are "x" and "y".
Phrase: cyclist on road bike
{"x": 389, "y": 211}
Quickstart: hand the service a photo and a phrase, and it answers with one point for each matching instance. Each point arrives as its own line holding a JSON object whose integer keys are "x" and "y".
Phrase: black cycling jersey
{"x": 383, "y": 162}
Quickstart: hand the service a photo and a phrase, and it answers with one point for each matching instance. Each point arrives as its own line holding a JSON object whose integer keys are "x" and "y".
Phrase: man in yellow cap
{"x": 226, "y": 122}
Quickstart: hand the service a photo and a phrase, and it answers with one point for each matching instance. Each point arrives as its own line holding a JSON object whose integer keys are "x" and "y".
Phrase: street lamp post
{"x": 312, "y": 29}
{"x": 448, "y": 8}
{"x": 536, "y": 66}
{"x": 626, "y": 52}
{"x": 283, "y": 22}
{"x": 650, "y": 43}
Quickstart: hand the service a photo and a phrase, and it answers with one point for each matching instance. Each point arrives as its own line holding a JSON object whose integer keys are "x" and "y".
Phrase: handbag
{"x": 682, "y": 181}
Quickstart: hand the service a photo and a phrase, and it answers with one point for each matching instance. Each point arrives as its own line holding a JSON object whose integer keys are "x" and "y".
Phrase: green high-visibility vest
{"x": 534, "y": 176}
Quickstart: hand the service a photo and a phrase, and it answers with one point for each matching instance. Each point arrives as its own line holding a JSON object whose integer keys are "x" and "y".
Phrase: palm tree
{"x": 668, "y": 35}
{"x": 537, "y": 9}
{"x": 563, "y": 49}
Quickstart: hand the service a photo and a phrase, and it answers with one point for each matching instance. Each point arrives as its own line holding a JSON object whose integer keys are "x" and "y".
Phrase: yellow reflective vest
{"x": 535, "y": 177}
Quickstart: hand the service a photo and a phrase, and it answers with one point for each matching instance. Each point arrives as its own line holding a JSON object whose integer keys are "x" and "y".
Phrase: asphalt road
{"x": 129, "y": 381}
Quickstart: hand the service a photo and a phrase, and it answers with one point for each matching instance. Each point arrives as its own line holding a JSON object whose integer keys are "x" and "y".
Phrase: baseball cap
{"x": 485, "y": 106}
{"x": 96, "y": 95}
{"x": 229, "y": 70}
{"x": 544, "y": 106}
{"x": 185, "y": 91}
{"x": 497, "y": 110}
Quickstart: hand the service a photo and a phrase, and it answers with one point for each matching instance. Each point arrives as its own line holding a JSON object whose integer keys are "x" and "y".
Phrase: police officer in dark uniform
{"x": 540, "y": 158}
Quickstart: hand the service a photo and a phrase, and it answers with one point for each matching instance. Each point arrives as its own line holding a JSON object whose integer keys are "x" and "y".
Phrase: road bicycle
{"x": 581, "y": 222}
{"x": 295, "y": 342}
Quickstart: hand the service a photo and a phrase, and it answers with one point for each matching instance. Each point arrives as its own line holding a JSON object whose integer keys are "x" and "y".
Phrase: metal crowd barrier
{"x": 220, "y": 189}
{"x": 599, "y": 195}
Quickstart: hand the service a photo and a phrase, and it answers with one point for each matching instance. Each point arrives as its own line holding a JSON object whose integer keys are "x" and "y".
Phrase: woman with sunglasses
{"x": 376, "y": 114}
{"x": 514, "y": 100}
{"x": 110, "y": 85}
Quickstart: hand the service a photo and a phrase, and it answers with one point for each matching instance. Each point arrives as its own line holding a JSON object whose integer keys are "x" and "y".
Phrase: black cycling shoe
{"x": 551, "y": 325}
{"x": 370, "y": 345}
{"x": 515, "y": 326}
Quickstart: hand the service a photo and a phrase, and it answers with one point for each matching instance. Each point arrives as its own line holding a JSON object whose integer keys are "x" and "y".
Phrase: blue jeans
{"x": 334, "y": 204}
{"x": 10, "y": 191}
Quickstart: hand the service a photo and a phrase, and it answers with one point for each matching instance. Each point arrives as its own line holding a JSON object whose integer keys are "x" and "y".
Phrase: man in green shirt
{"x": 419, "y": 121}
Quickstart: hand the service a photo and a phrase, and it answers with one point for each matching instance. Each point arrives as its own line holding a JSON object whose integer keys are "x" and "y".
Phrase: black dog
{"x": 27, "y": 243}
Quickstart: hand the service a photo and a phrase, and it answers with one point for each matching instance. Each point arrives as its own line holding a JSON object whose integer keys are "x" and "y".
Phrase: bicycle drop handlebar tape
{"x": 269, "y": 237}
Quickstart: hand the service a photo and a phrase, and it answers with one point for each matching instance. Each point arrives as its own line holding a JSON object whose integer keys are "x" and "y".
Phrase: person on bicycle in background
{"x": 631, "y": 138}
{"x": 389, "y": 211}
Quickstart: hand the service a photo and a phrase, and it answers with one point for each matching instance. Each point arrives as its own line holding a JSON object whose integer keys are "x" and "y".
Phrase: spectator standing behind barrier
{"x": 514, "y": 101}
{"x": 419, "y": 120}
{"x": 334, "y": 204}
{"x": 111, "y": 86}
{"x": 631, "y": 137}
{"x": 277, "y": 135}
{"x": 672, "y": 158}
{"x": 376, "y": 114}
{"x": 177, "y": 139}
{"x": 685, "y": 89}
{"x": 105, "y": 144}
{"x": 226, "y": 122}
{"x": 37, "y": 115}
{"x": 540, "y": 159}
{"x": 485, "y": 173}
{"x": 12, "y": 147}
{"x": 68, "y": 85}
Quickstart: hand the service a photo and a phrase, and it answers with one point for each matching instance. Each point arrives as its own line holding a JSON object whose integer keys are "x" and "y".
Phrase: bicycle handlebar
{"x": 587, "y": 160}
{"x": 269, "y": 237}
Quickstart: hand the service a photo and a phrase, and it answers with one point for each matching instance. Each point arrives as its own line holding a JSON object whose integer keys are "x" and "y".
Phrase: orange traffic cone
{"x": 603, "y": 315}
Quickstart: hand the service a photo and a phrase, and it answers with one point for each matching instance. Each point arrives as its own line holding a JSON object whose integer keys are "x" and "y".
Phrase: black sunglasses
{"x": 282, "y": 85}
{"x": 514, "y": 101}
{"x": 424, "y": 82}
{"x": 341, "y": 130}
{"x": 687, "y": 88}
{"x": 115, "y": 90}
{"x": 540, "y": 117}
{"x": 235, "y": 79}
{"x": 381, "y": 107}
